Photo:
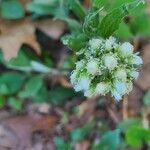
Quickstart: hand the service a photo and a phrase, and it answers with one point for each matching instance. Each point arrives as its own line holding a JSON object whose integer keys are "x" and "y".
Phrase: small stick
{"x": 125, "y": 107}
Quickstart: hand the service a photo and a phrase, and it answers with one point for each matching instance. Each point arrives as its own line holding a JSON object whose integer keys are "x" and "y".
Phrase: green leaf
{"x": 11, "y": 82}
{"x": 109, "y": 141}
{"x": 61, "y": 144}
{"x": 2, "y": 101}
{"x": 35, "y": 89}
{"x": 147, "y": 98}
{"x": 110, "y": 23}
{"x": 75, "y": 42}
{"x": 135, "y": 136}
{"x": 81, "y": 133}
{"x": 77, "y": 8}
{"x": 15, "y": 103}
{"x": 42, "y": 7}
{"x": 124, "y": 31}
{"x": 90, "y": 26}
{"x": 59, "y": 95}
{"x": 12, "y": 9}
{"x": 125, "y": 125}
{"x": 23, "y": 58}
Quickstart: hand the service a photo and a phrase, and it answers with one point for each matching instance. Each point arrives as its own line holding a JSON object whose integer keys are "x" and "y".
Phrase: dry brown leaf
{"x": 15, "y": 33}
{"x": 22, "y": 128}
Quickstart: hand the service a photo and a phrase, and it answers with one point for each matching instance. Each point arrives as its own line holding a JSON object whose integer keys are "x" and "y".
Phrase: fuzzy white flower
{"x": 116, "y": 95}
{"x": 126, "y": 49}
{"x": 134, "y": 74}
{"x": 92, "y": 67}
{"x": 102, "y": 88}
{"x": 109, "y": 43}
{"x": 95, "y": 43}
{"x": 136, "y": 60}
{"x": 121, "y": 74}
{"x": 120, "y": 87}
{"x": 110, "y": 62}
{"x": 106, "y": 66}
{"x": 80, "y": 64}
{"x": 83, "y": 83}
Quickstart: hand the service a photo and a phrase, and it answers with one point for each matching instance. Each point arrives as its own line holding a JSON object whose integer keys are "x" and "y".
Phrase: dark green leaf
{"x": 110, "y": 23}
{"x": 59, "y": 95}
{"x": 35, "y": 89}
{"x": 11, "y": 82}
{"x": 109, "y": 141}
{"x": 61, "y": 144}
{"x": 12, "y": 9}
{"x": 81, "y": 133}
{"x": 24, "y": 57}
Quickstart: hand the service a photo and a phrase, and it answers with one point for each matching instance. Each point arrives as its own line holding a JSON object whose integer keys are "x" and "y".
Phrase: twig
{"x": 125, "y": 107}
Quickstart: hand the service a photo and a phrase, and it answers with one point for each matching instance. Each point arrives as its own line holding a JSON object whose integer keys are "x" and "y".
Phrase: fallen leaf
{"x": 22, "y": 128}
{"x": 15, "y": 33}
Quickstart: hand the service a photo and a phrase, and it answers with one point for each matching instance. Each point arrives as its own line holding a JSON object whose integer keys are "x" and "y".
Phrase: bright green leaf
{"x": 2, "y": 101}
{"x": 110, "y": 23}
{"x": 15, "y": 103}
{"x": 135, "y": 136}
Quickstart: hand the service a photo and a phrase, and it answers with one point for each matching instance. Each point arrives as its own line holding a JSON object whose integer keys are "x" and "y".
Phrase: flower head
{"x": 106, "y": 66}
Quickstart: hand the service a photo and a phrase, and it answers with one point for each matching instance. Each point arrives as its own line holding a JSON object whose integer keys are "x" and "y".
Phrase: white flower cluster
{"x": 106, "y": 67}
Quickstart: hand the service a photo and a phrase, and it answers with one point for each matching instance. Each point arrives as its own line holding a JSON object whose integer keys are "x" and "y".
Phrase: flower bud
{"x": 134, "y": 74}
{"x": 109, "y": 43}
{"x": 121, "y": 74}
{"x": 95, "y": 43}
{"x": 136, "y": 60}
{"x": 126, "y": 49}
{"x": 92, "y": 67}
{"x": 102, "y": 88}
{"x": 110, "y": 62}
{"x": 80, "y": 64}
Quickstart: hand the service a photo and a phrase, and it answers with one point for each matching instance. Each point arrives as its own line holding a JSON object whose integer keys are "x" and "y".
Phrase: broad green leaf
{"x": 35, "y": 89}
{"x": 125, "y": 125}
{"x": 124, "y": 31}
{"x": 11, "y": 82}
{"x": 147, "y": 98}
{"x": 12, "y": 9}
{"x": 2, "y": 101}
{"x": 15, "y": 103}
{"x": 110, "y": 23}
{"x": 61, "y": 144}
{"x": 75, "y": 42}
{"x": 109, "y": 141}
{"x": 135, "y": 136}
{"x": 59, "y": 95}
